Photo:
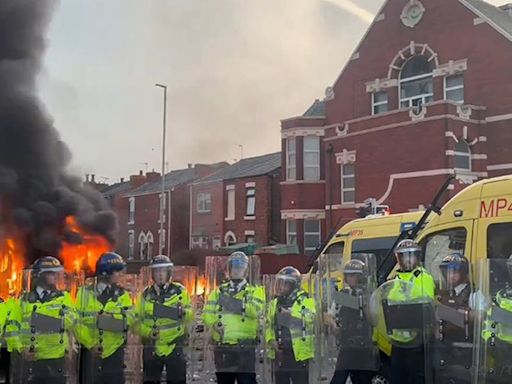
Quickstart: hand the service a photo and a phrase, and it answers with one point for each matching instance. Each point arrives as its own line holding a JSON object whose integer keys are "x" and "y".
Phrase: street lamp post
{"x": 162, "y": 197}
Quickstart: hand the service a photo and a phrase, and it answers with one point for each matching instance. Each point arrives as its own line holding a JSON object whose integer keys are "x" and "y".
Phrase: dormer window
{"x": 416, "y": 85}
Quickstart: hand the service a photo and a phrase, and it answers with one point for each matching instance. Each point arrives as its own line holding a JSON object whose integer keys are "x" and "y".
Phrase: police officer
{"x": 453, "y": 350}
{"x": 38, "y": 327}
{"x": 105, "y": 316}
{"x": 408, "y": 353}
{"x": 497, "y": 328}
{"x": 165, "y": 314}
{"x": 357, "y": 353}
{"x": 232, "y": 313}
{"x": 290, "y": 330}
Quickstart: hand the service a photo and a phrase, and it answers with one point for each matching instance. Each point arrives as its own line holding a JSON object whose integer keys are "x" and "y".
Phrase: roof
{"x": 317, "y": 109}
{"x": 496, "y": 17}
{"x": 172, "y": 179}
{"x": 114, "y": 189}
{"x": 253, "y": 166}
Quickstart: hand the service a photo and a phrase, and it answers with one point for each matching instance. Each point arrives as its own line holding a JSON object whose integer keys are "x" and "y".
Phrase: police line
{"x": 446, "y": 325}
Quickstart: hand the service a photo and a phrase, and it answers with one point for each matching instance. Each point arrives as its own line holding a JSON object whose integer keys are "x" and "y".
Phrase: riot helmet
{"x": 288, "y": 280}
{"x": 238, "y": 266}
{"x": 354, "y": 273}
{"x": 408, "y": 255}
{"x": 109, "y": 266}
{"x": 454, "y": 270}
{"x": 161, "y": 268}
{"x": 45, "y": 272}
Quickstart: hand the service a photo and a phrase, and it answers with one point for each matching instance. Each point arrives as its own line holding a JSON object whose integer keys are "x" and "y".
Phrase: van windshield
{"x": 379, "y": 247}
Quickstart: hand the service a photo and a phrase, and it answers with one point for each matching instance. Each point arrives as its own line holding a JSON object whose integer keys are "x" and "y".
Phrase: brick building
{"x": 426, "y": 93}
{"x": 238, "y": 204}
{"x": 138, "y": 210}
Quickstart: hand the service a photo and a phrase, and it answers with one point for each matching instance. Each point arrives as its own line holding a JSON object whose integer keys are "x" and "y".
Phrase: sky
{"x": 234, "y": 69}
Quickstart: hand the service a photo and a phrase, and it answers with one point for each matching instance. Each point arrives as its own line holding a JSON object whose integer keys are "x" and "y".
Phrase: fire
{"x": 11, "y": 266}
{"x": 83, "y": 256}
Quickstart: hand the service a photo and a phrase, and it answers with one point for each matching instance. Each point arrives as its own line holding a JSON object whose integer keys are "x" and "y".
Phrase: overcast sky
{"x": 234, "y": 68}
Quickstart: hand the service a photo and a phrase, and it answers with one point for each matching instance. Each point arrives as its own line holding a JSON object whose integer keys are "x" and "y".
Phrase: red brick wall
{"x": 210, "y": 223}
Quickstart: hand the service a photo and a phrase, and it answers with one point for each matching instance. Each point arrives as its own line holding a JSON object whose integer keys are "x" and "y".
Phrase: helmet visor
{"x": 161, "y": 274}
{"x": 237, "y": 269}
{"x": 408, "y": 259}
{"x": 452, "y": 276}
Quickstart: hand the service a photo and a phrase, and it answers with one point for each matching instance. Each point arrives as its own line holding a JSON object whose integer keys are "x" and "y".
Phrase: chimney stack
{"x": 93, "y": 177}
{"x": 122, "y": 179}
{"x": 86, "y": 177}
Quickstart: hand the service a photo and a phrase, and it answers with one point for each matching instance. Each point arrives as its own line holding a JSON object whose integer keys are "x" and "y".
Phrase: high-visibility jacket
{"x": 88, "y": 333}
{"x": 423, "y": 286}
{"x": 238, "y": 311}
{"x": 301, "y": 326}
{"x": 45, "y": 344}
{"x": 5, "y": 310}
{"x": 164, "y": 331}
{"x": 501, "y": 331}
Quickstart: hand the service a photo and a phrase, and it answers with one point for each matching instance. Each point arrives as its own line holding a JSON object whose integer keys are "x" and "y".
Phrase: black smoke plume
{"x": 36, "y": 191}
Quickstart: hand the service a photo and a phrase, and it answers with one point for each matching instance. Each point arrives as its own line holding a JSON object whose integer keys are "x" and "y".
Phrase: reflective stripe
{"x": 84, "y": 313}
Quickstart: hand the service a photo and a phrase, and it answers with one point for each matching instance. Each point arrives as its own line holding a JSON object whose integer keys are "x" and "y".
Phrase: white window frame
{"x": 230, "y": 235}
{"x": 318, "y": 234}
{"x": 131, "y": 244}
{"x": 202, "y": 200}
{"x": 216, "y": 242}
{"x": 142, "y": 245}
{"x": 249, "y": 237}
{"x": 290, "y": 233}
{"x": 131, "y": 210}
{"x": 230, "y": 204}
{"x": 162, "y": 239}
{"x": 316, "y": 152}
{"x": 351, "y": 189}
{"x": 150, "y": 241}
{"x": 466, "y": 155}
{"x": 379, "y": 103}
{"x": 200, "y": 242}
{"x": 250, "y": 195}
{"x": 454, "y": 88}
{"x": 291, "y": 153}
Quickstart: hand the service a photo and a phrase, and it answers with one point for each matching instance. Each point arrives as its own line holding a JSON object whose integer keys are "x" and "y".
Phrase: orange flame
{"x": 83, "y": 256}
{"x": 11, "y": 266}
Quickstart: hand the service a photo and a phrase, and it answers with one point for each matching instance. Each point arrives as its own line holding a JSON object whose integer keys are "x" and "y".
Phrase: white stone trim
{"x": 380, "y": 84}
{"x": 302, "y": 118}
{"x": 403, "y": 124}
{"x": 345, "y": 157}
{"x": 482, "y": 139}
{"x": 450, "y": 152}
{"x": 477, "y": 21}
{"x": 411, "y": 175}
{"x": 452, "y": 135}
{"x": 293, "y": 182}
{"x": 302, "y": 214}
{"x": 491, "y": 119}
{"x": 302, "y": 131}
{"x": 451, "y": 68}
{"x": 230, "y": 187}
{"x": 251, "y": 184}
{"x": 250, "y": 233}
{"x": 355, "y": 56}
{"x": 249, "y": 218}
{"x": 499, "y": 167}
{"x": 479, "y": 156}
{"x": 408, "y": 51}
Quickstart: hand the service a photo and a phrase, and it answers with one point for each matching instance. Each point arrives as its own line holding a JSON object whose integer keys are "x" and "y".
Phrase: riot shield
{"x": 292, "y": 331}
{"x": 166, "y": 317}
{"x": 110, "y": 347}
{"x": 452, "y": 348}
{"x": 347, "y": 319}
{"x": 402, "y": 311}
{"x": 232, "y": 315}
{"x": 40, "y": 329}
{"x": 493, "y": 324}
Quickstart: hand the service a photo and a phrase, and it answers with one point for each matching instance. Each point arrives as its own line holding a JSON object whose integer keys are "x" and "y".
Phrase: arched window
{"x": 229, "y": 238}
{"x": 416, "y": 87}
{"x": 149, "y": 240}
{"x": 143, "y": 246}
{"x": 462, "y": 156}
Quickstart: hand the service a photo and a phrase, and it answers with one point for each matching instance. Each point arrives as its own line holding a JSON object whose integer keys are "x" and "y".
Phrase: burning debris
{"x": 43, "y": 209}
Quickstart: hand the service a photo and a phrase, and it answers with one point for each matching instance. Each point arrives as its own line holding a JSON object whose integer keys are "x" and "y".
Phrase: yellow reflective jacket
{"x": 160, "y": 331}
{"x": 423, "y": 286}
{"x": 89, "y": 308}
{"x": 501, "y": 331}
{"x": 44, "y": 344}
{"x": 6, "y": 308}
{"x": 302, "y": 330}
{"x": 238, "y": 312}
